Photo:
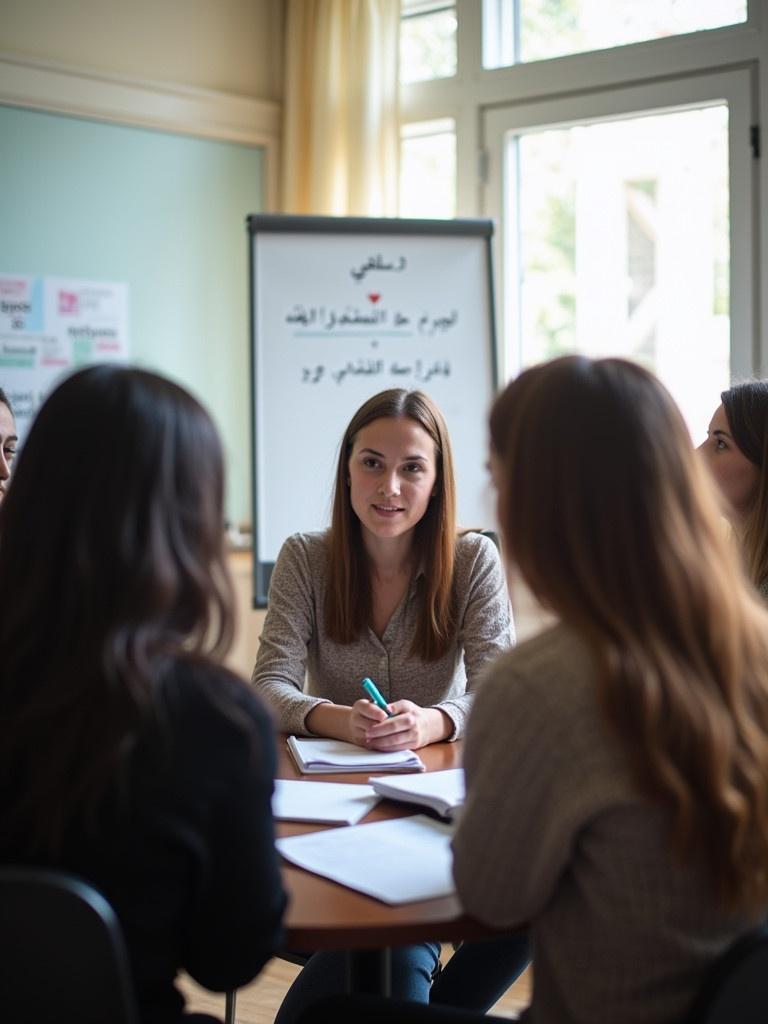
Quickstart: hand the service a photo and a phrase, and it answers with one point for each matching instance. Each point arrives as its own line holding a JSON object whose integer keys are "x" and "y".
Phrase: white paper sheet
{"x": 333, "y": 803}
{"x": 398, "y": 861}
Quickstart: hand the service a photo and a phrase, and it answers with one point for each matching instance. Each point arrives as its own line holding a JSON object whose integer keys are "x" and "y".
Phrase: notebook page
{"x": 397, "y": 861}
{"x": 333, "y": 803}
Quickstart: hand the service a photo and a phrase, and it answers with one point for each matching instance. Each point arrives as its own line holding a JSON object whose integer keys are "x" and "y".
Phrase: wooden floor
{"x": 258, "y": 1003}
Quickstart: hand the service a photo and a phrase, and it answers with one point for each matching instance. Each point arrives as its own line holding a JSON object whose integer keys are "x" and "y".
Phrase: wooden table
{"x": 325, "y": 915}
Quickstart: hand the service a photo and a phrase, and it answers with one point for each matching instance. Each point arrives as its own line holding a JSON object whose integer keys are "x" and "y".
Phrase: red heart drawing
{"x": 374, "y": 297}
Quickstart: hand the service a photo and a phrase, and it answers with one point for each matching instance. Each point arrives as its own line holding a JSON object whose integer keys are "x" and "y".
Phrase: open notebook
{"x": 323, "y": 755}
{"x": 442, "y": 792}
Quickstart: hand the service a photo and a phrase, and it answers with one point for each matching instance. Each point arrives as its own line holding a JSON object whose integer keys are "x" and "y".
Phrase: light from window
{"x": 428, "y": 169}
{"x": 427, "y": 41}
{"x": 516, "y": 31}
{"x": 619, "y": 245}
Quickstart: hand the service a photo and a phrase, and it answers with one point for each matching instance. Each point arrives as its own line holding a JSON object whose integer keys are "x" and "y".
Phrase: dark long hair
{"x": 111, "y": 567}
{"x": 614, "y": 524}
{"x": 746, "y": 409}
{"x": 348, "y": 604}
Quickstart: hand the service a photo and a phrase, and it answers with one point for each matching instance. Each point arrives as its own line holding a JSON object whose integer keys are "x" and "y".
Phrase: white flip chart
{"x": 345, "y": 307}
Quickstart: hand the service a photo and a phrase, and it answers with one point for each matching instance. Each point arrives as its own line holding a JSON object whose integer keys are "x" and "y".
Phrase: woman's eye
{"x": 370, "y": 463}
{"x": 414, "y": 467}
{"x": 720, "y": 444}
{"x": 10, "y": 454}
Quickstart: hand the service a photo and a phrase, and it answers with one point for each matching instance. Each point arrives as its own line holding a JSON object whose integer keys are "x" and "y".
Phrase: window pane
{"x": 428, "y": 169}
{"x": 428, "y": 42}
{"x": 622, "y": 247}
{"x": 528, "y": 30}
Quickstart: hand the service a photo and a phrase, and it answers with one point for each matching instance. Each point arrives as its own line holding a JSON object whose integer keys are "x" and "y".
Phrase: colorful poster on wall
{"x": 49, "y": 326}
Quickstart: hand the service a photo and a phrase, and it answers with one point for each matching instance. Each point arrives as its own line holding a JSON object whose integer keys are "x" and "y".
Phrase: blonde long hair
{"x": 348, "y": 602}
{"x": 615, "y": 527}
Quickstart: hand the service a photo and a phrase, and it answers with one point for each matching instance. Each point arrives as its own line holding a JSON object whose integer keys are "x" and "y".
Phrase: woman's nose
{"x": 390, "y": 484}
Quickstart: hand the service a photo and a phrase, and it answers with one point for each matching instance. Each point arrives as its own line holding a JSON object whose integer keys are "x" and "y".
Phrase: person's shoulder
{"x": 309, "y": 546}
{"x": 475, "y": 546}
{"x": 218, "y": 730}
{"x": 198, "y": 690}
{"x": 301, "y": 562}
{"x": 555, "y": 667}
{"x": 476, "y": 560}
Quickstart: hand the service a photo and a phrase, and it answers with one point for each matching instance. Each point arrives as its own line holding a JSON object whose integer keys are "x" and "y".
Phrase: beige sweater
{"x": 294, "y": 645}
{"x": 554, "y": 833}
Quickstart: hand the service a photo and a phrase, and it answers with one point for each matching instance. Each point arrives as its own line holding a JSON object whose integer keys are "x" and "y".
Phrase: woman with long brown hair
{"x": 130, "y": 756}
{"x": 624, "y": 814}
{"x": 392, "y": 591}
{"x": 617, "y": 763}
{"x": 395, "y": 592}
{"x": 736, "y": 451}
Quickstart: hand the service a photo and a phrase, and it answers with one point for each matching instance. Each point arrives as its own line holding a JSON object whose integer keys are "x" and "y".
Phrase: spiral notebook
{"x": 324, "y": 755}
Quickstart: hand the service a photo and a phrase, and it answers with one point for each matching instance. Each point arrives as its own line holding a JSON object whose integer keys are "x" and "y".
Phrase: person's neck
{"x": 390, "y": 558}
{"x": 737, "y": 519}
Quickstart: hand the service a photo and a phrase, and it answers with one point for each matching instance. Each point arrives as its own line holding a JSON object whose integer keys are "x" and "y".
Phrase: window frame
{"x": 689, "y": 93}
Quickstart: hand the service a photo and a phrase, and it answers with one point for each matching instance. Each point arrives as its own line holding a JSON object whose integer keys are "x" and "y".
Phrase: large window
{"x": 631, "y": 216}
{"x": 427, "y": 40}
{"x": 525, "y": 30}
{"x": 428, "y": 169}
{"x": 621, "y": 232}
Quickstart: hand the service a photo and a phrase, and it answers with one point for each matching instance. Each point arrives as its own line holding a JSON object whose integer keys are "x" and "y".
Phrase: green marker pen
{"x": 370, "y": 688}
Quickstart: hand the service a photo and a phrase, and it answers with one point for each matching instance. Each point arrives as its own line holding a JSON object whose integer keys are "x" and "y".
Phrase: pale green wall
{"x": 166, "y": 213}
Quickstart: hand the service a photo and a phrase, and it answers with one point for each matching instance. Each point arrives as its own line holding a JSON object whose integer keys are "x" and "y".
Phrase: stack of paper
{"x": 398, "y": 861}
{"x": 329, "y": 803}
{"x": 443, "y": 792}
{"x": 322, "y": 755}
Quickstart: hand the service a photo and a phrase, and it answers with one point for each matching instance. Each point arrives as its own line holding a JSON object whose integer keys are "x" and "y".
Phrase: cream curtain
{"x": 340, "y": 128}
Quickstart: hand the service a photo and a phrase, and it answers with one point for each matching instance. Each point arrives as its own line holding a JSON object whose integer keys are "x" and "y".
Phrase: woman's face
{"x": 736, "y": 476}
{"x": 392, "y": 475}
{"x": 8, "y": 441}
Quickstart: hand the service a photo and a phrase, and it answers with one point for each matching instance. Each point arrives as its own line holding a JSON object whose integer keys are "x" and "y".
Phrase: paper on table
{"x": 325, "y": 755}
{"x": 333, "y": 803}
{"x": 443, "y": 791}
{"x": 397, "y": 861}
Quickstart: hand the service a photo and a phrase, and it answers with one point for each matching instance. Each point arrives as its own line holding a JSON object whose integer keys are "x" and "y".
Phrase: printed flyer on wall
{"x": 49, "y": 326}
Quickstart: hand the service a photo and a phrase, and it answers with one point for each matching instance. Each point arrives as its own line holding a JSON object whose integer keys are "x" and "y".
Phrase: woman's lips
{"x": 388, "y": 511}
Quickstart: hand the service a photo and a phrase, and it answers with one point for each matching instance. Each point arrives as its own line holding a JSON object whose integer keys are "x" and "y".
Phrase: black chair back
{"x": 62, "y": 955}
{"x": 735, "y": 989}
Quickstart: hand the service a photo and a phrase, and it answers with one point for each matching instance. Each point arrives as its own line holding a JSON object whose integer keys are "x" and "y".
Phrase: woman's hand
{"x": 364, "y": 714}
{"x": 410, "y": 727}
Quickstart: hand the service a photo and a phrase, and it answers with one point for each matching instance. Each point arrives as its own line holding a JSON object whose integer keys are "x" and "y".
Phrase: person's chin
{"x": 387, "y": 526}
